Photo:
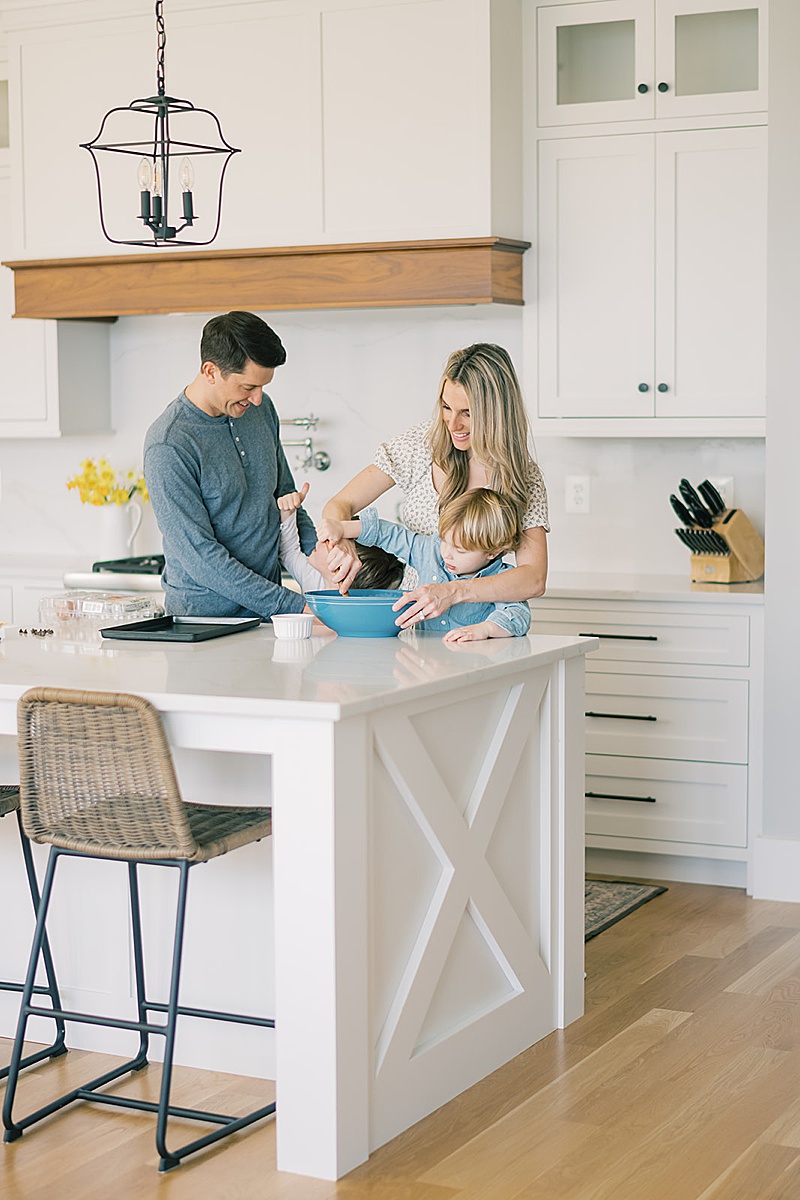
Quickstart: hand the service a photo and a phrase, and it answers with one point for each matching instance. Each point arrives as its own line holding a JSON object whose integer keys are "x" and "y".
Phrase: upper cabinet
{"x": 628, "y": 60}
{"x": 56, "y": 374}
{"x": 647, "y": 144}
{"x": 652, "y": 276}
{"x": 374, "y": 120}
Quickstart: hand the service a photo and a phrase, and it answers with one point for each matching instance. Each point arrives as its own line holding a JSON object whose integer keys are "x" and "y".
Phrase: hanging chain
{"x": 162, "y": 42}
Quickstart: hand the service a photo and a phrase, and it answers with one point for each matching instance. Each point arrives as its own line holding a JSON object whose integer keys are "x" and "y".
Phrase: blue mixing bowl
{"x": 364, "y": 613}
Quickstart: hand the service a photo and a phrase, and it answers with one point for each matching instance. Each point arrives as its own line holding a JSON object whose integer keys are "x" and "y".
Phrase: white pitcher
{"x": 118, "y": 526}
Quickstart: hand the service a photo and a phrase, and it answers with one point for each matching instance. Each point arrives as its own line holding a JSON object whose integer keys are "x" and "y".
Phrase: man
{"x": 214, "y": 468}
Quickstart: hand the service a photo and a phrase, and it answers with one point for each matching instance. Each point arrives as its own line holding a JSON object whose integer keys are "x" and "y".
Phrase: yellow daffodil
{"x": 98, "y": 483}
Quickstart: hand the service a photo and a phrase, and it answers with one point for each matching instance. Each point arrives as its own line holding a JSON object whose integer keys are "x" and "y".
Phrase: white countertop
{"x": 589, "y": 586}
{"x": 252, "y": 673}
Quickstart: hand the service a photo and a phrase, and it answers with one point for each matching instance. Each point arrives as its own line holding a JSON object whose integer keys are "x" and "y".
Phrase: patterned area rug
{"x": 608, "y": 901}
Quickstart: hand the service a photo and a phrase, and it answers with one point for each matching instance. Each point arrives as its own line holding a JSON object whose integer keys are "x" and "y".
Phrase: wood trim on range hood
{"x": 363, "y": 275}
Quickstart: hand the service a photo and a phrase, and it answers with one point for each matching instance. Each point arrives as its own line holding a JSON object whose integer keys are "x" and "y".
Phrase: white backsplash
{"x": 368, "y": 374}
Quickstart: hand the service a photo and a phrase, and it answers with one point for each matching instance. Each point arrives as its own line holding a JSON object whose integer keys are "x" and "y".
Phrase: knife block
{"x": 743, "y": 564}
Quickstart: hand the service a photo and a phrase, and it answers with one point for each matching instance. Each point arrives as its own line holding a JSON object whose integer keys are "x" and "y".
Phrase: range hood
{"x": 361, "y": 275}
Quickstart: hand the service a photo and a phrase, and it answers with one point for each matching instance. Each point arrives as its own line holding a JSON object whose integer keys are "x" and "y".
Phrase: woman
{"x": 478, "y": 438}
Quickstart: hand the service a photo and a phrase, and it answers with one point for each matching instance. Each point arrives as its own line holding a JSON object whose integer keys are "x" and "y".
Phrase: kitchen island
{"x": 416, "y": 919}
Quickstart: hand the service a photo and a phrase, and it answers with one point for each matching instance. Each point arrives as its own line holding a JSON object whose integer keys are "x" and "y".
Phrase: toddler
{"x": 475, "y": 530}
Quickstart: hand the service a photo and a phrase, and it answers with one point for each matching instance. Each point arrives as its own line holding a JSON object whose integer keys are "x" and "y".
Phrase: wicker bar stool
{"x": 97, "y": 781}
{"x": 9, "y": 803}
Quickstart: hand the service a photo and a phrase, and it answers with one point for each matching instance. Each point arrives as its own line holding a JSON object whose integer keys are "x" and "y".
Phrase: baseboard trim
{"x": 775, "y": 869}
{"x": 635, "y": 864}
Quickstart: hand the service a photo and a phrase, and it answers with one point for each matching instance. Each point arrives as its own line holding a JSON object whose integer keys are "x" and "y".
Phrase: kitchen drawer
{"x": 626, "y": 636}
{"x": 705, "y": 803}
{"x": 664, "y": 716}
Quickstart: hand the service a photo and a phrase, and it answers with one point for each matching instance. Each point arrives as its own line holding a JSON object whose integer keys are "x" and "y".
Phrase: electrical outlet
{"x": 724, "y": 485}
{"x": 577, "y": 493}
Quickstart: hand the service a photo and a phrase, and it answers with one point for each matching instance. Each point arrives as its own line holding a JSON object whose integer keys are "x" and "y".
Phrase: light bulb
{"x": 158, "y": 179}
{"x": 186, "y": 174}
{"x": 145, "y": 175}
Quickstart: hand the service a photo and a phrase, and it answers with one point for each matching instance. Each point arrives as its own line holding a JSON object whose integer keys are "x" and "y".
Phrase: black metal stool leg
{"x": 138, "y": 967}
{"x": 58, "y": 1046}
{"x": 167, "y": 1160}
{"x": 13, "y": 1131}
{"x": 51, "y": 989}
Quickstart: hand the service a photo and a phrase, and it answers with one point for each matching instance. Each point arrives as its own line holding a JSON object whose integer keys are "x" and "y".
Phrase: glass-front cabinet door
{"x": 622, "y": 60}
{"x": 595, "y": 62}
{"x": 711, "y": 57}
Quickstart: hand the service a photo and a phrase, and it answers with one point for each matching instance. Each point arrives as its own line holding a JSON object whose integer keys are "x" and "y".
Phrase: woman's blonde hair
{"x": 482, "y": 520}
{"x": 499, "y": 431}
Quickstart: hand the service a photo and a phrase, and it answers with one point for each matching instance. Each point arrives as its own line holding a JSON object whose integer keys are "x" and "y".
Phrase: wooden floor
{"x": 681, "y": 1082}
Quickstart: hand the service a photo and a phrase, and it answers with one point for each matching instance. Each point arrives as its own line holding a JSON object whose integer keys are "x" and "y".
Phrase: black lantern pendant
{"x": 147, "y": 131}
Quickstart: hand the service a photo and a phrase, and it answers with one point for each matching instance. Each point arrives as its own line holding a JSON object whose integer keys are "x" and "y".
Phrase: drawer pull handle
{"x": 624, "y": 637}
{"x": 613, "y": 796}
{"x": 622, "y": 716}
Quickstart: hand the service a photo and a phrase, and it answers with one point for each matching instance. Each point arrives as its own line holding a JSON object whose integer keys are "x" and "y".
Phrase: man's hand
{"x": 427, "y": 601}
{"x": 290, "y": 503}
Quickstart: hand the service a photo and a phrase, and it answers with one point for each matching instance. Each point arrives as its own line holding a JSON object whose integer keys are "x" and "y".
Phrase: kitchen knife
{"x": 718, "y": 544}
{"x": 712, "y": 497}
{"x": 699, "y": 512}
{"x": 685, "y": 536}
{"x": 681, "y": 512}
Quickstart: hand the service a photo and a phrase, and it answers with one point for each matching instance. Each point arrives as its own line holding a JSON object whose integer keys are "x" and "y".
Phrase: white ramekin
{"x": 293, "y": 627}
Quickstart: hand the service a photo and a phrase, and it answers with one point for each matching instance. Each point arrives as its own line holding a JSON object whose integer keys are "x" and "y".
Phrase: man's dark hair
{"x": 378, "y": 569}
{"x": 231, "y": 340}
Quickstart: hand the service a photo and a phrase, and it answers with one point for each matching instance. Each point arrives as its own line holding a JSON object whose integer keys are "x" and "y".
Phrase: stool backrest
{"x": 96, "y": 775}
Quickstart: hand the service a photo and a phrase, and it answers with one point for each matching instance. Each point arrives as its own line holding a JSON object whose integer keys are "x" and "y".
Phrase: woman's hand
{"x": 343, "y": 563}
{"x": 426, "y": 602}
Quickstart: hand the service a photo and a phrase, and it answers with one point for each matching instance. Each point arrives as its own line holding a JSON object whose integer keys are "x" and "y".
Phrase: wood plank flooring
{"x": 681, "y": 1082}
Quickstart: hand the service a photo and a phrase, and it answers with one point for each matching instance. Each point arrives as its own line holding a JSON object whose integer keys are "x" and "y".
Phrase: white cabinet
{"x": 673, "y": 738}
{"x": 55, "y": 376}
{"x": 652, "y": 265}
{"x": 375, "y": 120}
{"x": 618, "y": 60}
{"x": 22, "y": 586}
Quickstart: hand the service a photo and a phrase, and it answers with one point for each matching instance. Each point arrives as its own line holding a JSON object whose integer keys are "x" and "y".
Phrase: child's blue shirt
{"x": 422, "y": 552}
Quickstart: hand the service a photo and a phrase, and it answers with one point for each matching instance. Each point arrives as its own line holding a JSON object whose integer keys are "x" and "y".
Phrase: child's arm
{"x": 292, "y": 557}
{"x": 334, "y": 532}
{"x": 290, "y": 503}
{"x": 476, "y": 633}
{"x": 370, "y": 530}
{"x": 507, "y": 620}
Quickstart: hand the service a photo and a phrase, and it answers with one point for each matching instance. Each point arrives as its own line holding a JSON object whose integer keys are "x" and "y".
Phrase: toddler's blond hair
{"x": 482, "y": 520}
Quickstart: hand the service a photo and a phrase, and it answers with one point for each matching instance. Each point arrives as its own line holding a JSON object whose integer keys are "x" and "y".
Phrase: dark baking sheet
{"x": 179, "y": 629}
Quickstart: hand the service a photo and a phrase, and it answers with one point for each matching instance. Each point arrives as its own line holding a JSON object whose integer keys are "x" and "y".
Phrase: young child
{"x": 378, "y": 569}
{"x": 475, "y": 530}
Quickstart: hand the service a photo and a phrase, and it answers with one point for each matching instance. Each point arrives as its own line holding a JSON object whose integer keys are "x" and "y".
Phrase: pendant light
{"x": 169, "y": 152}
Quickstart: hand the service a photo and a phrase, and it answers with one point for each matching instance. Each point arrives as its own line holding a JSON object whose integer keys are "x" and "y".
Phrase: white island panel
{"x": 425, "y": 868}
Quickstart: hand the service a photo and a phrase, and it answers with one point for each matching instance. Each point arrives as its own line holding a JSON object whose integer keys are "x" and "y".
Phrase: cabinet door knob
{"x": 663, "y": 387}
{"x": 643, "y": 88}
{"x": 663, "y": 87}
{"x": 644, "y": 387}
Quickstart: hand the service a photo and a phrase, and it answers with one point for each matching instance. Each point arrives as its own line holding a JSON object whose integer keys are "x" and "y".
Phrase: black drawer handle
{"x": 621, "y": 716}
{"x": 624, "y": 637}
{"x": 613, "y": 796}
